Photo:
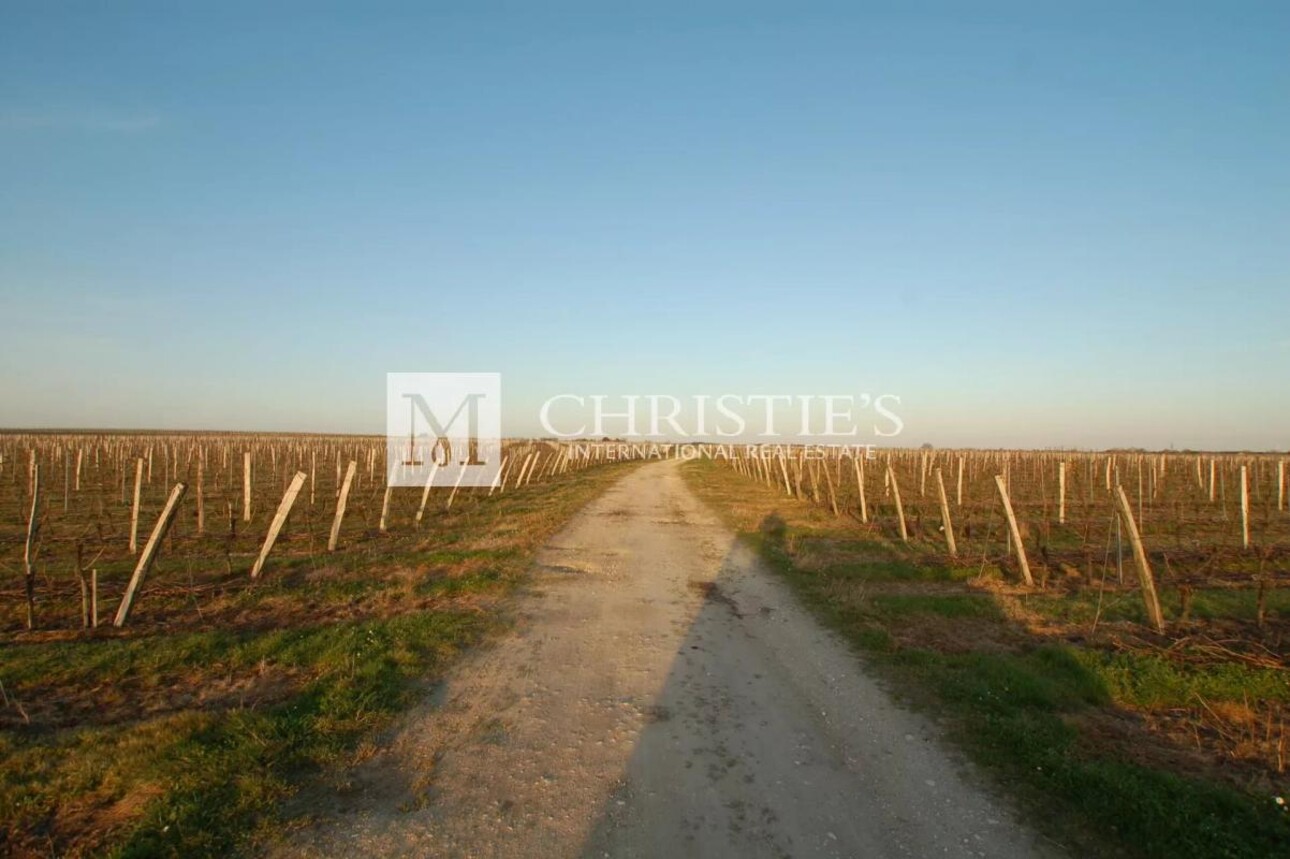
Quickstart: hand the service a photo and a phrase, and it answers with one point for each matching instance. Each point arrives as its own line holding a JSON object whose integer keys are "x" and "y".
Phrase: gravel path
{"x": 662, "y": 696}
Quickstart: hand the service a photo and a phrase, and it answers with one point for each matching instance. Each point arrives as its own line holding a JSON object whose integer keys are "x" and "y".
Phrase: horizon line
{"x": 9, "y": 431}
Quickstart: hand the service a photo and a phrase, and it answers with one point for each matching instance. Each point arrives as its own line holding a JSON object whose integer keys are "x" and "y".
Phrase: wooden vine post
{"x": 858, "y": 462}
{"x": 425, "y": 493}
{"x": 385, "y": 504}
{"x": 900, "y": 509}
{"x": 246, "y": 486}
{"x": 149, "y": 553}
{"x": 1245, "y": 509}
{"x": 1014, "y": 531}
{"x": 334, "y": 539}
{"x": 1149, "y": 596}
{"x": 945, "y": 516}
{"x": 134, "y": 511}
{"x": 201, "y": 503}
{"x": 1061, "y": 493}
{"x": 524, "y": 467}
{"x": 833, "y": 499}
{"x": 497, "y": 478}
{"x": 455, "y": 486}
{"x": 783, "y": 470}
{"x": 279, "y": 519}
{"x": 509, "y": 469}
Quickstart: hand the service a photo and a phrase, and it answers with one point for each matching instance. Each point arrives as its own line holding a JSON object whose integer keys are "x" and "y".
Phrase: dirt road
{"x": 663, "y": 696}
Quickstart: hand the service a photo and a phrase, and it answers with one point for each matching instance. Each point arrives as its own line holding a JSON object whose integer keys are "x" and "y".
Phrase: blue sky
{"x": 1037, "y": 223}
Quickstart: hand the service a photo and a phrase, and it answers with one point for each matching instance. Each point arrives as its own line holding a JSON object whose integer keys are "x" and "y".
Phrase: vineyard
{"x": 84, "y": 515}
{"x": 80, "y": 515}
{"x": 1204, "y": 524}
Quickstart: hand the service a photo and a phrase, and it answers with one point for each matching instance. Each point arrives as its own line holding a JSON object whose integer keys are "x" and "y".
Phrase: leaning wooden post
{"x": 558, "y": 467}
{"x": 1149, "y": 597}
{"x": 457, "y": 485}
{"x": 279, "y": 519}
{"x": 828, "y": 480}
{"x": 529, "y": 462}
{"x": 1014, "y": 531}
{"x": 945, "y": 516}
{"x": 334, "y": 539}
{"x": 425, "y": 493}
{"x": 1245, "y": 509}
{"x": 134, "y": 512}
{"x": 900, "y": 510}
{"x": 535, "y": 467}
{"x": 1061, "y": 493}
{"x": 385, "y": 503}
{"x": 537, "y": 458}
{"x": 246, "y": 486}
{"x": 508, "y": 466}
{"x": 149, "y": 552}
{"x": 524, "y": 467}
{"x": 497, "y": 478}
{"x": 1281, "y": 485}
{"x": 864, "y": 507}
